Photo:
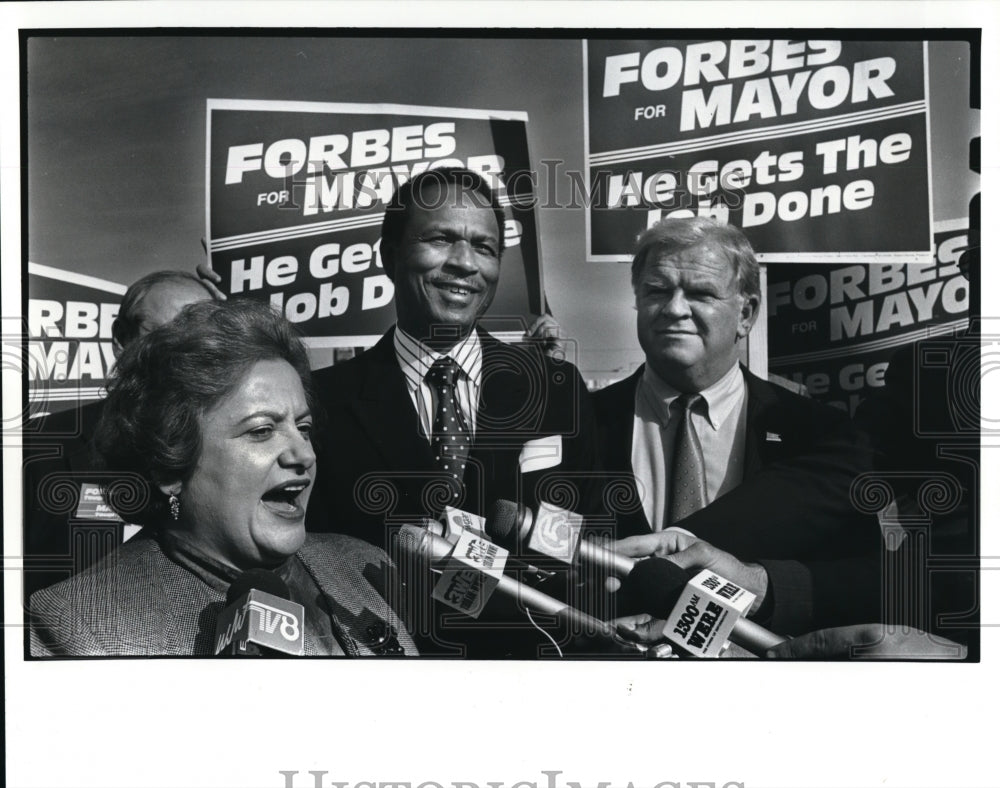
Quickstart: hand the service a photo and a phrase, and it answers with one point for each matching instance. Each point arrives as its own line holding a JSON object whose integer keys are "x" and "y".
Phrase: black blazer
{"x": 375, "y": 470}
{"x": 794, "y": 511}
{"x": 375, "y": 467}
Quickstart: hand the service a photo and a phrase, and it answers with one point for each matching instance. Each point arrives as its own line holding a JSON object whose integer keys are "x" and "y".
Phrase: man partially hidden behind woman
{"x": 207, "y": 432}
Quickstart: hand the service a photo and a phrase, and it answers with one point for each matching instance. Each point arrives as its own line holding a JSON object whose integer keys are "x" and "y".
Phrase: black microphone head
{"x": 653, "y": 586}
{"x": 505, "y": 523}
{"x": 261, "y": 579}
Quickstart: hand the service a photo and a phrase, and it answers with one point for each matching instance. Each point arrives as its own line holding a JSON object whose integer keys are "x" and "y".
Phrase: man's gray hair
{"x": 674, "y": 235}
{"x": 126, "y": 326}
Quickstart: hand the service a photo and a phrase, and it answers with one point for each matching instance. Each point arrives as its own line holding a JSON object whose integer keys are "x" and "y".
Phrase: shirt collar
{"x": 415, "y": 358}
{"x": 720, "y": 398}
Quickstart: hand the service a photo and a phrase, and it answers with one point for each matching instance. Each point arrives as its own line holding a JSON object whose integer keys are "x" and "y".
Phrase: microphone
{"x": 455, "y": 523}
{"x": 555, "y": 533}
{"x": 259, "y": 619}
{"x": 711, "y": 613}
{"x": 469, "y": 582}
{"x": 706, "y": 610}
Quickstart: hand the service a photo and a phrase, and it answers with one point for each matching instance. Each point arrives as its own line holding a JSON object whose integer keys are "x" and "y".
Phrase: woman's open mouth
{"x": 285, "y": 499}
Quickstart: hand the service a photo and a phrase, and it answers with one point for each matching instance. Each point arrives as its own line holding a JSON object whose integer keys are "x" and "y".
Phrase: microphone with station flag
{"x": 552, "y": 532}
{"x": 472, "y": 570}
{"x": 456, "y": 524}
{"x": 259, "y": 619}
{"x": 705, "y": 609}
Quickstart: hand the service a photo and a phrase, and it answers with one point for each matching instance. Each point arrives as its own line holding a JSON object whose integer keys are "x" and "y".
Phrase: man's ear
{"x": 749, "y": 309}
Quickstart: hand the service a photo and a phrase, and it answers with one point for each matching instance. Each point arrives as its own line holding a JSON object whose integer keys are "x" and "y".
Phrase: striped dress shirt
{"x": 415, "y": 359}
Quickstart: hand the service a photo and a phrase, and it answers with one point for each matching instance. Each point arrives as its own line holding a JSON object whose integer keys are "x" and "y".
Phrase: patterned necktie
{"x": 687, "y": 481}
{"x": 449, "y": 433}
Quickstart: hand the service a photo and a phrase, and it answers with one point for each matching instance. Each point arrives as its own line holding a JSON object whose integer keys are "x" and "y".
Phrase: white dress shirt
{"x": 415, "y": 359}
{"x": 719, "y": 423}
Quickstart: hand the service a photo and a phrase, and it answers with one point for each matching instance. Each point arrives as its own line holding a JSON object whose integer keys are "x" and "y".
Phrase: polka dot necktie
{"x": 687, "y": 482}
{"x": 449, "y": 433}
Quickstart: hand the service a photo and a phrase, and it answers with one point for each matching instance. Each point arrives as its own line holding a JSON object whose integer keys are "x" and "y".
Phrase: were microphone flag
{"x": 706, "y": 614}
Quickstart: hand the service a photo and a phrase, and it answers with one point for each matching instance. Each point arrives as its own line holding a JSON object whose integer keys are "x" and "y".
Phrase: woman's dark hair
{"x": 164, "y": 382}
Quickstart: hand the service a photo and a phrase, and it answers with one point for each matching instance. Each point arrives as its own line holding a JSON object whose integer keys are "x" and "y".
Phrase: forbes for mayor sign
{"x": 297, "y": 191}
{"x": 69, "y": 353}
{"x": 817, "y": 149}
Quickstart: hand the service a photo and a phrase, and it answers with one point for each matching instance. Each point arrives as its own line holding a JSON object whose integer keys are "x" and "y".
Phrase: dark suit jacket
{"x": 59, "y": 538}
{"x": 375, "y": 470}
{"x": 375, "y": 466}
{"x": 924, "y": 424}
{"x": 793, "y": 513}
{"x": 138, "y": 602}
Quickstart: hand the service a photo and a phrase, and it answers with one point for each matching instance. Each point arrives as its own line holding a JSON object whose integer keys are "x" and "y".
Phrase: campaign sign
{"x": 835, "y": 328}
{"x": 296, "y": 192}
{"x": 68, "y": 347}
{"x": 816, "y": 149}
{"x": 93, "y": 506}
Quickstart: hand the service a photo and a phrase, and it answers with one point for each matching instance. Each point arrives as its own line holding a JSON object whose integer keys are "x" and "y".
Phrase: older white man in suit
{"x": 439, "y": 412}
{"x": 741, "y": 464}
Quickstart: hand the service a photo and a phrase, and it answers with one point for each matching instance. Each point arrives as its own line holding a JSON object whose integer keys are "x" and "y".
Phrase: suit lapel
{"x": 760, "y": 399}
{"x": 620, "y": 423}
{"x": 331, "y": 586}
{"x": 617, "y": 423}
{"x": 503, "y": 394}
{"x": 386, "y": 413}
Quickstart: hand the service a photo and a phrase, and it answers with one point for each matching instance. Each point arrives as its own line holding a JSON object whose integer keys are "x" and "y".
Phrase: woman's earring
{"x": 175, "y": 506}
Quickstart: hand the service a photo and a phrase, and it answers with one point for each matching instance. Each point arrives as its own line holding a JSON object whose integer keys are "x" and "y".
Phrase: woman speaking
{"x": 206, "y": 439}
